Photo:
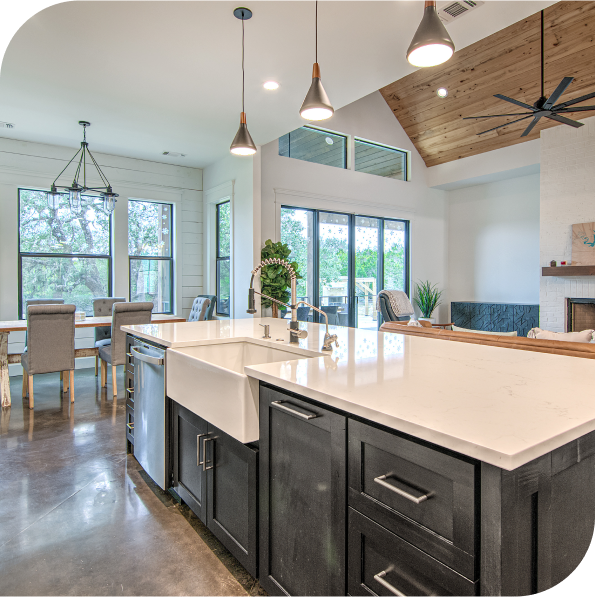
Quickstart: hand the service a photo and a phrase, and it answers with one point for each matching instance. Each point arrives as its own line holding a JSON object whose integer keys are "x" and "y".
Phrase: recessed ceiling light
{"x": 442, "y": 92}
{"x": 329, "y": 140}
{"x": 271, "y": 85}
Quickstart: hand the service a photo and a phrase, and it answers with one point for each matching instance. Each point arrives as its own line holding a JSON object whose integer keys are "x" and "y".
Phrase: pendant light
{"x": 317, "y": 105}
{"x": 76, "y": 190}
{"x": 431, "y": 44}
{"x": 242, "y": 143}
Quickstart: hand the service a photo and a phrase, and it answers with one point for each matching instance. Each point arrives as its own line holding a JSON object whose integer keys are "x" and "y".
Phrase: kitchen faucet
{"x": 294, "y": 332}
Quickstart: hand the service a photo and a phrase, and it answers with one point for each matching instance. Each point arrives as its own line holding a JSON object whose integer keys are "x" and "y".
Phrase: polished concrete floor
{"x": 78, "y": 516}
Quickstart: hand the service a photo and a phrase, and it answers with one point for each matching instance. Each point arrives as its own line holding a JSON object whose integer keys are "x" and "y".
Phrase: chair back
{"x": 102, "y": 307}
{"x": 126, "y": 314}
{"x": 331, "y": 311}
{"x": 387, "y": 311}
{"x": 50, "y": 333}
{"x": 200, "y": 306}
{"x": 303, "y": 313}
{"x": 211, "y": 309}
{"x": 52, "y": 301}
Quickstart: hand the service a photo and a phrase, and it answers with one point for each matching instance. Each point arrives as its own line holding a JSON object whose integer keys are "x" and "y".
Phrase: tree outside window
{"x": 223, "y": 270}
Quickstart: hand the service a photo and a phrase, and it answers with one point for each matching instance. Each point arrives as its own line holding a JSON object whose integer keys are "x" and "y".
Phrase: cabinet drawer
{"x": 380, "y": 563}
{"x": 130, "y": 424}
{"x": 423, "y": 495}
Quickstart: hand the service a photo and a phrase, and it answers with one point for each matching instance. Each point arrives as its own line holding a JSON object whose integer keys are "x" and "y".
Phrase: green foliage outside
{"x": 275, "y": 280}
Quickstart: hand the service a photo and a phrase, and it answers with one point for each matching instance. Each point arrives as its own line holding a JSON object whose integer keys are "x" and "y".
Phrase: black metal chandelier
{"x": 76, "y": 190}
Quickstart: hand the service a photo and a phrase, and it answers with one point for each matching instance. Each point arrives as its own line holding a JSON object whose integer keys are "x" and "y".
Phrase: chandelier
{"x": 76, "y": 190}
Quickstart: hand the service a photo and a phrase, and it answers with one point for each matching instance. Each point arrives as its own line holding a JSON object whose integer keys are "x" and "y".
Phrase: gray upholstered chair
{"x": 50, "y": 330}
{"x": 211, "y": 308}
{"x": 102, "y": 307}
{"x": 199, "y": 310}
{"x": 114, "y": 353}
{"x": 387, "y": 311}
{"x": 303, "y": 313}
{"x": 48, "y": 301}
{"x": 331, "y": 311}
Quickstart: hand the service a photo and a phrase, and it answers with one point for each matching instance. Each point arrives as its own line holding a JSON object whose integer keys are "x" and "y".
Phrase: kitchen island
{"x": 411, "y": 465}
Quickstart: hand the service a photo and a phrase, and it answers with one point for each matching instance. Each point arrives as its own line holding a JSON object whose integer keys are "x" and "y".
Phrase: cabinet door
{"x": 302, "y": 497}
{"x": 189, "y": 479}
{"x": 232, "y": 482}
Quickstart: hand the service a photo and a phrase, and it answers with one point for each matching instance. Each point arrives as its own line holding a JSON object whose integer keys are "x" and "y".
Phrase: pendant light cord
{"x": 542, "y": 57}
{"x": 243, "y": 63}
{"x": 316, "y": 29}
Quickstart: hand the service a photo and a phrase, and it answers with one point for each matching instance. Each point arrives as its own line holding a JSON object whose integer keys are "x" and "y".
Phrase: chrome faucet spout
{"x": 328, "y": 338}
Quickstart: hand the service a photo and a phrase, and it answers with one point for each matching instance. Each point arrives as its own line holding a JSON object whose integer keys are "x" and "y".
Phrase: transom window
{"x": 63, "y": 254}
{"x": 313, "y": 145}
{"x": 380, "y": 160}
{"x": 150, "y": 251}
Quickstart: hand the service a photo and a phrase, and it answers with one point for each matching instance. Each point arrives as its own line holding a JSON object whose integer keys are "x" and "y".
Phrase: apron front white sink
{"x": 209, "y": 380}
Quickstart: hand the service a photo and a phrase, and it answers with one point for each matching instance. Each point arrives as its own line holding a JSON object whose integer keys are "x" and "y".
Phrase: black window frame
{"x": 221, "y": 258}
{"x": 22, "y": 254}
{"x": 381, "y": 146}
{"x": 132, "y": 258}
{"x": 344, "y": 136}
{"x": 352, "y": 257}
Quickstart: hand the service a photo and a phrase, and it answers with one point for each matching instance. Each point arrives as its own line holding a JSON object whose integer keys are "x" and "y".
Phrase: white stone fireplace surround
{"x": 567, "y": 196}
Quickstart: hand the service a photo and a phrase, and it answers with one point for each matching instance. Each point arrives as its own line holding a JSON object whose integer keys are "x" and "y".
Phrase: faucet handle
{"x": 267, "y": 328}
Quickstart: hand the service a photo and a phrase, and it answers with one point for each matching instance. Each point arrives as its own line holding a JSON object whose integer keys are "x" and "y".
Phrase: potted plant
{"x": 275, "y": 279}
{"x": 427, "y": 298}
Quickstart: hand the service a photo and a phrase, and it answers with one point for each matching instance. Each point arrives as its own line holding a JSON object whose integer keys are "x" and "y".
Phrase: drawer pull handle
{"x": 130, "y": 390}
{"x": 380, "y": 578}
{"x": 130, "y": 355}
{"x": 304, "y": 415}
{"x": 204, "y": 453}
{"x": 130, "y": 426}
{"x": 416, "y": 500}
{"x": 198, "y": 460}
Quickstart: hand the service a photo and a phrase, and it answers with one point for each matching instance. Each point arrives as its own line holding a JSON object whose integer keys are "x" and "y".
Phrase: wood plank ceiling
{"x": 506, "y": 62}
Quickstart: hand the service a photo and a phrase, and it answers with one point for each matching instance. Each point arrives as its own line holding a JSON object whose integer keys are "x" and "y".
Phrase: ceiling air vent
{"x": 455, "y": 10}
{"x": 174, "y": 154}
{"x": 6, "y": 125}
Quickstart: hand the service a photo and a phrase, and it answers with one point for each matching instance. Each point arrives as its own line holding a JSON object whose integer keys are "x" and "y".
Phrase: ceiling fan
{"x": 543, "y": 107}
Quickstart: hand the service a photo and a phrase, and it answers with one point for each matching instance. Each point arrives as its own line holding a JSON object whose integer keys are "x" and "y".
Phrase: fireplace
{"x": 580, "y": 314}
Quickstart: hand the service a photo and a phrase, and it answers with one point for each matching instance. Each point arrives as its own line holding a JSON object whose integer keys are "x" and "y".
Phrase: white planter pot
{"x": 432, "y": 320}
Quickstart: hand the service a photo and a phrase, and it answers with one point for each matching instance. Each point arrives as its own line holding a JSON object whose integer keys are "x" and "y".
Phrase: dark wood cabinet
{"x": 302, "y": 496}
{"x": 129, "y": 389}
{"x": 217, "y": 477}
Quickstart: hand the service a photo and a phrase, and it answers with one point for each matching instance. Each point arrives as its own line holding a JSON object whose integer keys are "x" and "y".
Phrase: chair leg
{"x": 31, "y": 392}
{"x": 65, "y": 380}
{"x": 71, "y": 385}
{"x": 25, "y": 383}
{"x": 114, "y": 382}
{"x": 96, "y": 365}
{"x": 103, "y": 373}
{"x": 61, "y": 375}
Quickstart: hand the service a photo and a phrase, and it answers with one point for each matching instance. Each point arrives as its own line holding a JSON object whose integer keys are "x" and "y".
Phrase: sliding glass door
{"x": 344, "y": 261}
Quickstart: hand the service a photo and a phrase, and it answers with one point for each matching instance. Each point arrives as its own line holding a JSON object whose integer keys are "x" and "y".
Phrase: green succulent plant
{"x": 275, "y": 279}
{"x": 427, "y": 297}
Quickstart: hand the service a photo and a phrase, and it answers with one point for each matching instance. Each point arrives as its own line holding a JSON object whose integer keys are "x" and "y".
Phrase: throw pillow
{"x": 456, "y": 329}
{"x": 584, "y": 336}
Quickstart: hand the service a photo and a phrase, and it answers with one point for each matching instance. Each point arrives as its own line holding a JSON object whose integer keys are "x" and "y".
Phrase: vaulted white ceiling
{"x": 166, "y": 76}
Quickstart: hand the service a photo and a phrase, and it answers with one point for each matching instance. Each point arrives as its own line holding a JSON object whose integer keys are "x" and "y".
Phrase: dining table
{"x": 20, "y": 325}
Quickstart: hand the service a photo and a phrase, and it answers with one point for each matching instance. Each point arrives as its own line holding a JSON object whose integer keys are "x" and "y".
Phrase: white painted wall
{"x": 242, "y": 176}
{"x": 34, "y": 165}
{"x": 304, "y": 184}
{"x": 567, "y": 197}
{"x": 493, "y": 247}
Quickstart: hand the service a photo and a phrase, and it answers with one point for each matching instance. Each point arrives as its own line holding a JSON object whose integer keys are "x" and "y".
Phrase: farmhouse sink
{"x": 209, "y": 380}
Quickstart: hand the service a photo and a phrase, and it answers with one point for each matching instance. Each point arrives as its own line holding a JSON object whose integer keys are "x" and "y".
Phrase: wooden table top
{"x": 90, "y": 322}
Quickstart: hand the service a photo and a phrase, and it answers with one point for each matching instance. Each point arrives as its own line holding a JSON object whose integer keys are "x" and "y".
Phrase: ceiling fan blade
{"x": 513, "y": 101}
{"x": 577, "y": 109}
{"x": 498, "y": 115}
{"x": 531, "y": 125}
{"x": 552, "y": 99}
{"x": 578, "y": 100}
{"x": 506, "y": 124}
{"x": 565, "y": 120}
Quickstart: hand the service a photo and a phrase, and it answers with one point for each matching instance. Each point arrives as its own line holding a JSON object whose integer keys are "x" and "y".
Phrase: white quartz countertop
{"x": 502, "y": 406}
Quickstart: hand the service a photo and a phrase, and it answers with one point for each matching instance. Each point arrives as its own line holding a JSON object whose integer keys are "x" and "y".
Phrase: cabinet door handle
{"x": 380, "y": 578}
{"x": 130, "y": 426}
{"x": 204, "y": 453}
{"x": 198, "y": 461}
{"x": 416, "y": 500}
{"x": 304, "y": 415}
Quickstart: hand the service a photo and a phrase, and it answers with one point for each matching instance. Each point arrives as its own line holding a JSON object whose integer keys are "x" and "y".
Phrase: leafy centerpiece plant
{"x": 427, "y": 298}
{"x": 275, "y": 280}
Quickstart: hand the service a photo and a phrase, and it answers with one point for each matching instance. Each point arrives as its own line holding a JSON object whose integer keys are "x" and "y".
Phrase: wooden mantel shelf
{"x": 569, "y": 270}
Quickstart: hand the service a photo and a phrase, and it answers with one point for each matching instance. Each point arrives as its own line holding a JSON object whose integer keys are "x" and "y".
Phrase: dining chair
{"x": 114, "y": 353}
{"x": 42, "y": 301}
{"x": 303, "y": 313}
{"x": 211, "y": 309}
{"x": 50, "y": 330}
{"x": 102, "y": 307}
{"x": 331, "y": 311}
{"x": 200, "y": 309}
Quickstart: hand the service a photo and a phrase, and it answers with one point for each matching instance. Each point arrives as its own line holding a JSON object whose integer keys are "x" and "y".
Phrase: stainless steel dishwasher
{"x": 149, "y": 409}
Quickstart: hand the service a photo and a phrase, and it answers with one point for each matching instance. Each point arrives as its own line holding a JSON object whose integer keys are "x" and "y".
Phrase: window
{"x": 345, "y": 260}
{"x": 150, "y": 251}
{"x": 313, "y": 145}
{"x": 380, "y": 160}
{"x": 63, "y": 254}
{"x": 223, "y": 271}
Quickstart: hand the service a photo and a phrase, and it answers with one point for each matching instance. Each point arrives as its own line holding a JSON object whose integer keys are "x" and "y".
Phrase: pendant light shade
{"x": 54, "y": 198}
{"x": 431, "y": 44}
{"x": 242, "y": 143}
{"x": 316, "y": 105}
{"x": 109, "y": 201}
{"x": 74, "y": 197}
